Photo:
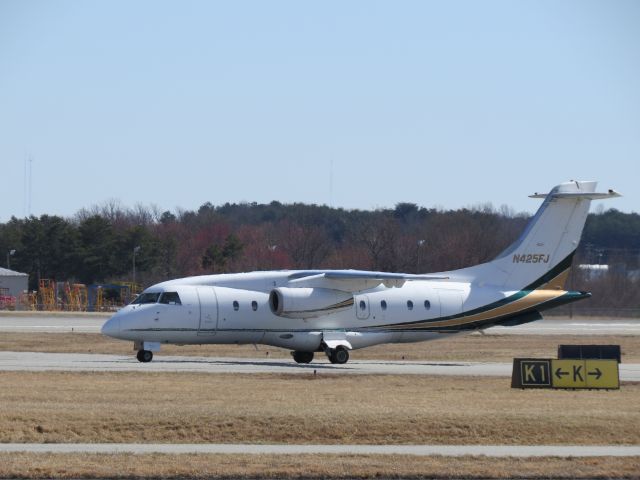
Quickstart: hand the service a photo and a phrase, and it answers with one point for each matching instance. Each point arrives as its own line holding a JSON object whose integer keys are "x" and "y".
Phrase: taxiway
{"x": 524, "y": 451}
{"x": 77, "y": 362}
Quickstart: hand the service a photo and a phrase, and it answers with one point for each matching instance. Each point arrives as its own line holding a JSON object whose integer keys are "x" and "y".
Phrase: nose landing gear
{"x": 144, "y": 356}
{"x": 145, "y": 350}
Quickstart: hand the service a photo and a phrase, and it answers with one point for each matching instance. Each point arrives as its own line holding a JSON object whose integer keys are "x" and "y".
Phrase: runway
{"x": 571, "y": 326}
{"x": 79, "y": 362}
{"x": 523, "y": 451}
{"x": 65, "y": 322}
{"x": 52, "y": 322}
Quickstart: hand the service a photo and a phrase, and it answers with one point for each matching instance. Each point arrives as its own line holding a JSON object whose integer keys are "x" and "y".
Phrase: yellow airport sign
{"x": 572, "y": 374}
{"x": 585, "y": 374}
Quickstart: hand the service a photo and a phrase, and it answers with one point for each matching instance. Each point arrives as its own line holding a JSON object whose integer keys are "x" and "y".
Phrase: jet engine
{"x": 307, "y": 302}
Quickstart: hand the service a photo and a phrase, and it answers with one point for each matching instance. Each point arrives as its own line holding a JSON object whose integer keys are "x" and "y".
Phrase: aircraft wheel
{"x": 302, "y": 357}
{"x": 339, "y": 355}
{"x": 144, "y": 356}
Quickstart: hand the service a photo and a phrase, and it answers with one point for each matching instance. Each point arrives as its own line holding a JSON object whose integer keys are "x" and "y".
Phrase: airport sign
{"x": 531, "y": 373}
{"x": 565, "y": 374}
{"x": 585, "y": 374}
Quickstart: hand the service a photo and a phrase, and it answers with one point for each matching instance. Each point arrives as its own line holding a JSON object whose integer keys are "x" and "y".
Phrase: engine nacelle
{"x": 307, "y": 302}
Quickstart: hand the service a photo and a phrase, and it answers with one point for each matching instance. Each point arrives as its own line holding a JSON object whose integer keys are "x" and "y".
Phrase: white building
{"x": 593, "y": 270}
{"x": 16, "y": 283}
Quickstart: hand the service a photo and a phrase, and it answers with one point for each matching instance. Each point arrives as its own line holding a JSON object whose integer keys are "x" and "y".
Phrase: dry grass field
{"x": 479, "y": 348}
{"x": 308, "y": 466}
{"x": 192, "y": 408}
{"x": 186, "y": 408}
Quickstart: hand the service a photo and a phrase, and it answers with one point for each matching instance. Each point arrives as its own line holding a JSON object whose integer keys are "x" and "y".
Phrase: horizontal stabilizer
{"x": 579, "y": 195}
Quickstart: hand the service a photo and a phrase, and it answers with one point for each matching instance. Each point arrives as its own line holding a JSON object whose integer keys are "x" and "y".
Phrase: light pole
{"x": 421, "y": 249}
{"x": 9, "y": 254}
{"x": 135, "y": 250}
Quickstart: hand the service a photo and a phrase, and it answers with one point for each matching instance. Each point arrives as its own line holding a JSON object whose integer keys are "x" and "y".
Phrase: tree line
{"x": 97, "y": 244}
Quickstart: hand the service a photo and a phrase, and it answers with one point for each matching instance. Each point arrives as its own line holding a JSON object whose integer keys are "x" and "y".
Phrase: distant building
{"x": 13, "y": 284}
{"x": 594, "y": 270}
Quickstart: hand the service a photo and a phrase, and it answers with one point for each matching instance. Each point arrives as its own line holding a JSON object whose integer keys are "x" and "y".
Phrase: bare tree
{"x": 307, "y": 245}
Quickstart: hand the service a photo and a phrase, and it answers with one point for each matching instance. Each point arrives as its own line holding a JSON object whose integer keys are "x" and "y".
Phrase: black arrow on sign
{"x": 560, "y": 373}
{"x": 597, "y": 373}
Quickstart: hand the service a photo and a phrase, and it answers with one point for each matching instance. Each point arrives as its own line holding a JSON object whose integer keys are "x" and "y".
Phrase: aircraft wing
{"x": 354, "y": 280}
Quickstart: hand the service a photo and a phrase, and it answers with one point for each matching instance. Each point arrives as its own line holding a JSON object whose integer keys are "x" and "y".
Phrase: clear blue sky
{"x": 448, "y": 104}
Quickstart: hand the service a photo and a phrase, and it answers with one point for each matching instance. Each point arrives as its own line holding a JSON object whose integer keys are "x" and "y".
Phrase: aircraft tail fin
{"x": 543, "y": 253}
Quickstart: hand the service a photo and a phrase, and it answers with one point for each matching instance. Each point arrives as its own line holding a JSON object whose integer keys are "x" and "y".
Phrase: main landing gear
{"x": 144, "y": 356}
{"x": 302, "y": 357}
{"x": 339, "y": 355}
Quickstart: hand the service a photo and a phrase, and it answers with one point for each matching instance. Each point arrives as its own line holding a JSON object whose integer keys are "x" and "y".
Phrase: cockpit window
{"x": 149, "y": 297}
{"x": 170, "y": 298}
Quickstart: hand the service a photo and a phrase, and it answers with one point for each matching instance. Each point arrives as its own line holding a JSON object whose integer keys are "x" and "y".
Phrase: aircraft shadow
{"x": 258, "y": 363}
{"x": 283, "y": 364}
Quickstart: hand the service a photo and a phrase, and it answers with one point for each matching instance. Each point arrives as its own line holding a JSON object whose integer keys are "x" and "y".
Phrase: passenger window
{"x": 427, "y": 304}
{"x": 363, "y": 306}
{"x": 409, "y": 304}
{"x": 254, "y": 305}
{"x": 170, "y": 298}
{"x": 149, "y": 297}
{"x": 383, "y": 304}
{"x": 236, "y": 305}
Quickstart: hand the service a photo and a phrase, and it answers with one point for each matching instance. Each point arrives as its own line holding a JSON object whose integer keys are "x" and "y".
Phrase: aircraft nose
{"x": 111, "y": 327}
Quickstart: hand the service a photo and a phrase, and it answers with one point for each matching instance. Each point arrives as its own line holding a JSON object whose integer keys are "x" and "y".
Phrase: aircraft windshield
{"x": 149, "y": 297}
{"x": 170, "y": 298}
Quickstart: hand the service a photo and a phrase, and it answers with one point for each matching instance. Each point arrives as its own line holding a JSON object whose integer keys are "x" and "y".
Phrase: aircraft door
{"x": 208, "y": 311}
{"x": 362, "y": 307}
{"x": 450, "y": 302}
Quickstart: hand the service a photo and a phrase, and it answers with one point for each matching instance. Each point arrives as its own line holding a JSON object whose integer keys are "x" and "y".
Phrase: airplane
{"x": 336, "y": 311}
